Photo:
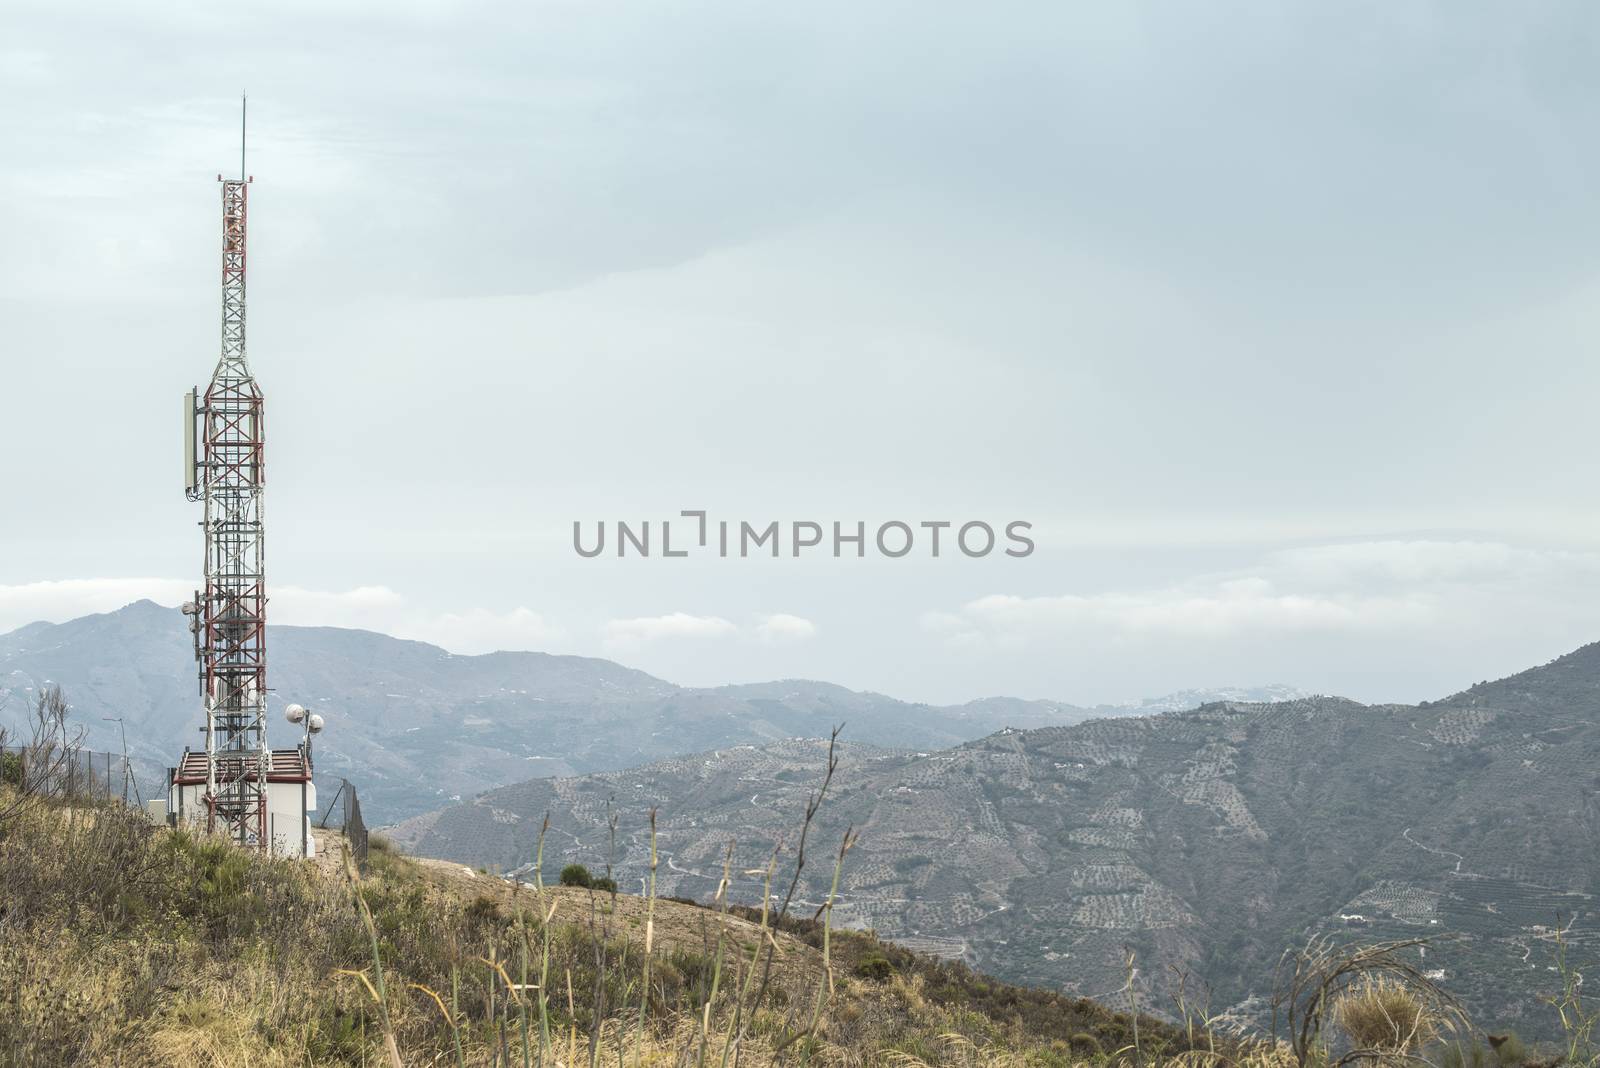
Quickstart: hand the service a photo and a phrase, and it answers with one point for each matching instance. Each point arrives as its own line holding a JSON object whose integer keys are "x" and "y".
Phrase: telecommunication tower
{"x": 224, "y": 439}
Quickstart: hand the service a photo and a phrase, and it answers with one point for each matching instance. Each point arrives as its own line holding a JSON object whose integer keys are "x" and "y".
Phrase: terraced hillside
{"x": 1207, "y": 840}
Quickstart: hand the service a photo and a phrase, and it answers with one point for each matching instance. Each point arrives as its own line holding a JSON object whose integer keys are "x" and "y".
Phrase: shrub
{"x": 482, "y": 910}
{"x": 1383, "y": 1014}
{"x": 1085, "y": 1044}
{"x": 605, "y": 884}
{"x": 11, "y": 769}
{"x": 1508, "y": 1049}
{"x": 876, "y": 968}
{"x": 576, "y": 875}
{"x": 1463, "y": 1054}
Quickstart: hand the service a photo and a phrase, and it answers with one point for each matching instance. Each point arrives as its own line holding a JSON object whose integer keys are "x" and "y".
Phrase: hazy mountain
{"x": 416, "y": 726}
{"x": 1208, "y": 840}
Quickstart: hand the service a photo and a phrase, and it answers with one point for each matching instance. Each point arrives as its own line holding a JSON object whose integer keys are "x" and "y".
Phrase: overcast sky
{"x": 1277, "y": 321}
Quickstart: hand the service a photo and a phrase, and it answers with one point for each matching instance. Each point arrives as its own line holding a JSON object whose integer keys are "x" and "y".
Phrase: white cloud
{"x": 1223, "y": 610}
{"x": 1374, "y": 587}
{"x": 387, "y": 611}
{"x": 777, "y": 629}
{"x": 481, "y": 631}
{"x": 782, "y": 628}
{"x": 56, "y": 601}
{"x": 1426, "y": 562}
{"x": 628, "y": 632}
{"x": 365, "y": 607}
{"x": 375, "y": 608}
{"x": 477, "y": 630}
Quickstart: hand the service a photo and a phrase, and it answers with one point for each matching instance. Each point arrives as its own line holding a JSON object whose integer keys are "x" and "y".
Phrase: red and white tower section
{"x": 237, "y": 786}
{"x": 227, "y": 473}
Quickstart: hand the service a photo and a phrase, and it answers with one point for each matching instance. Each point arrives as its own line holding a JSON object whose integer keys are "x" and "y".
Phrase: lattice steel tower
{"x": 223, "y": 467}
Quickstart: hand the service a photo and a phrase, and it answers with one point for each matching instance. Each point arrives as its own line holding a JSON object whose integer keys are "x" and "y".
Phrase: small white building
{"x": 291, "y": 799}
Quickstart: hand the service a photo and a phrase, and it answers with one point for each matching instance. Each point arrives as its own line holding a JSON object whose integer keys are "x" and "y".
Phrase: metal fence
{"x": 348, "y": 806}
{"x": 48, "y": 771}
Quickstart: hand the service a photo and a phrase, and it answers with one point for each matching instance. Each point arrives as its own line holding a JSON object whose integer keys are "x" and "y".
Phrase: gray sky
{"x": 1277, "y": 321}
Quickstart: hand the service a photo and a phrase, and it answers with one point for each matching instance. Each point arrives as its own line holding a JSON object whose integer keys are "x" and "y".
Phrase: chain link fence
{"x": 346, "y": 805}
{"x": 46, "y": 771}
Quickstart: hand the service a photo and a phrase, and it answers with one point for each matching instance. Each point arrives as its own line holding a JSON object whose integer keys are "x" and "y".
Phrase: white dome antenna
{"x": 294, "y": 713}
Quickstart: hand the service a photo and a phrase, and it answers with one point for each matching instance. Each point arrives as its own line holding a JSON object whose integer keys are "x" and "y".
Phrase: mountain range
{"x": 416, "y": 726}
{"x": 1039, "y": 841}
{"x": 1206, "y": 842}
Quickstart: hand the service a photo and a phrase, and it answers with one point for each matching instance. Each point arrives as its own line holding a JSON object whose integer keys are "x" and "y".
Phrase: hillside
{"x": 124, "y": 944}
{"x": 418, "y": 726}
{"x": 1206, "y": 840}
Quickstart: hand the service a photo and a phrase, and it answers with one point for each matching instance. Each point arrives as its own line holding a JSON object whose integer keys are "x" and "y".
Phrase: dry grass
{"x": 130, "y": 945}
{"x": 676, "y": 927}
{"x": 127, "y": 945}
{"x": 1382, "y": 1013}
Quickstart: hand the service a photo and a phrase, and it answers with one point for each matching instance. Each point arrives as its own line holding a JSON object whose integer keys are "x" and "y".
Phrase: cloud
{"x": 777, "y": 629}
{"x": 477, "y": 630}
{"x": 56, "y": 601}
{"x": 376, "y": 608}
{"x": 484, "y": 631}
{"x": 387, "y": 611}
{"x": 1374, "y": 588}
{"x": 364, "y": 608}
{"x": 1225, "y": 610}
{"x": 782, "y": 628}
{"x": 627, "y": 632}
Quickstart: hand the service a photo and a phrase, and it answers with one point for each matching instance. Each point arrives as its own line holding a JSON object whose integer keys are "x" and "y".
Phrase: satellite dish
{"x": 316, "y": 723}
{"x": 294, "y": 713}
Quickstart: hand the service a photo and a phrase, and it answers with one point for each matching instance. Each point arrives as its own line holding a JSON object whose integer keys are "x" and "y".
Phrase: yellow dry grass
{"x": 1381, "y": 1013}
{"x": 192, "y": 953}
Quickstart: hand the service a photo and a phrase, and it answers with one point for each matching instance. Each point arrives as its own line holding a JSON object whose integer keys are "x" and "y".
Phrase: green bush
{"x": 1459, "y": 1055}
{"x": 605, "y": 883}
{"x": 1505, "y": 1051}
{"x": 576, "y": 875}
{"x": 1085, "y": 1044}
{"x": 877, "y": 969}
{"x": 1508, "y": 1050}
{"x": 482, "y": 910}
{"x": 11, "y": 769}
